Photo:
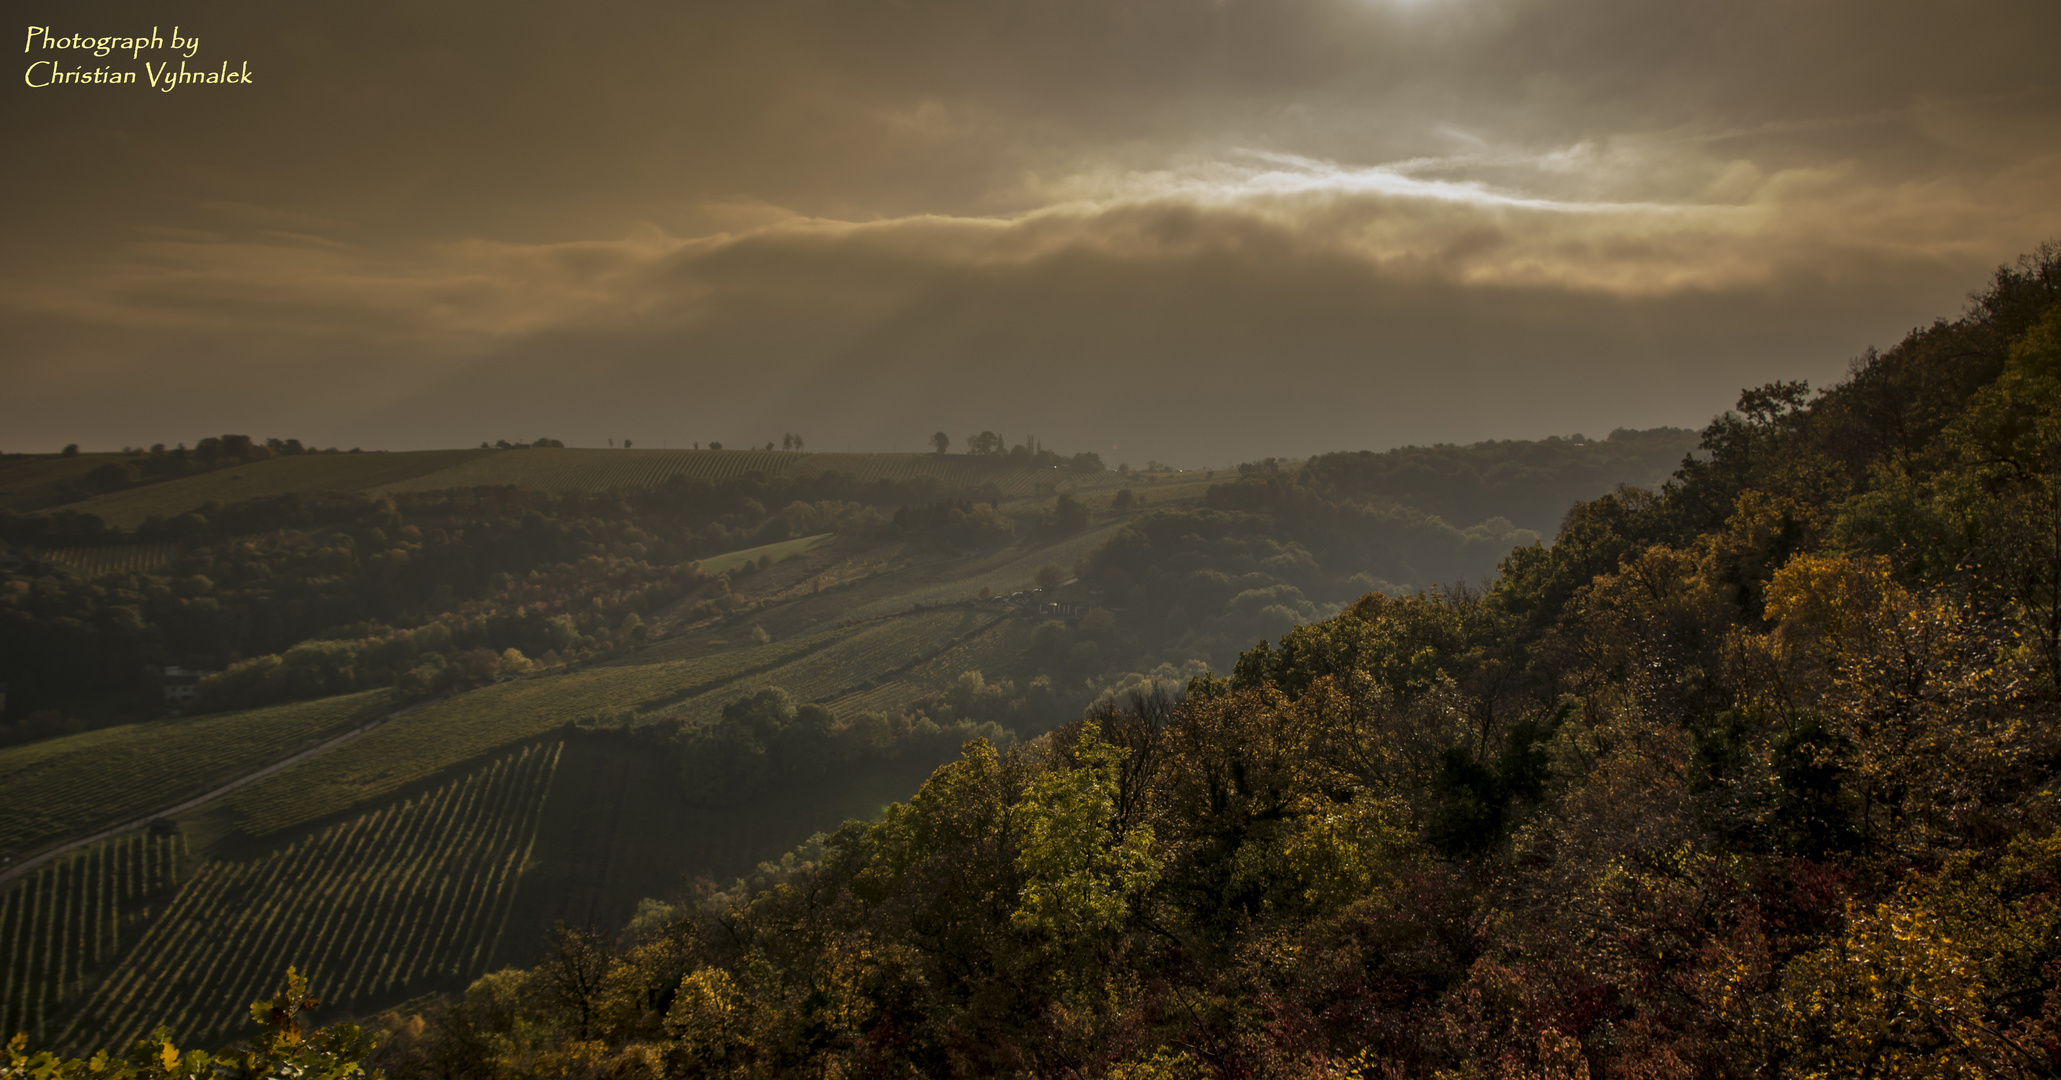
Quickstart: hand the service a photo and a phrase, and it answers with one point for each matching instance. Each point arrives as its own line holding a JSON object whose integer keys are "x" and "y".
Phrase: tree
{"x": 1050, "y": 575}
{"x": 281, "y": 1050}
{"x": 71, "y": 450}
{"x": 940, "y": 442}
{"x": 570, "y": 980}
{"x": 1122, "y": 501}
{"x": 1069, "y": 515}
{"x": 1083, "y": 872}
{"x": 626, "y": 444}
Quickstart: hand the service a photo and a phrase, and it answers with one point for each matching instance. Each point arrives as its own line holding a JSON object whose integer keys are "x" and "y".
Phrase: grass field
{"x": 302, "y": 473}
{"x": 955, "y": 470}
{"x": 42, "y": 482}
{"x": 567, "y": 469}
{"x": 71, "y": 786}
{"x": 718, "y": 564}
{"x": 112, "y": 559}
{"x": 61, "y": 924}
{"x": 408, "y": 897}
{"x": 444, "y": 734}
{"x": 34, "y": 482}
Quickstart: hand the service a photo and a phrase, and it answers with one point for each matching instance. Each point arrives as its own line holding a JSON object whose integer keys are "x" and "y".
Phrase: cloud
{"x": 1662, "y": 219}
{"x": 859, "y": 216}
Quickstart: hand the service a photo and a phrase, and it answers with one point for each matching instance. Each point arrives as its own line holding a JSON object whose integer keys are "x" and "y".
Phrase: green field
{"x": 61, "y": 924}
{"x": 69, "y": 787}
{"x": 112, "y": 559}
{"x": 305, "y": 474}
{"x": 785, "y": 549}
{"x": 34, "y": 482}
{"x": 410, "y": 896}
{"x": 963, "y": 471}
{"x": 568, "y": 469}
{"x": 448, "y": 733}
{"x": 42, "y": 482}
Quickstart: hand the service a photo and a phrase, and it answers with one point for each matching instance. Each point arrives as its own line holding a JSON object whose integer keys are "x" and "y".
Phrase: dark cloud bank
{"x": 1196, "y": 231}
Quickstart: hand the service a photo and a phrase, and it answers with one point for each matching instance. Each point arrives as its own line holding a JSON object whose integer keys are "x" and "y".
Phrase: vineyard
{"x": 113, "y": 559}
{"x": 988, "y": 652}
{"x": 864, "y": 656}
{"x": 559, "y": 469}
{"x": 305, "y": 474}
{"x": 71, "y": 786}
{"x": 450, "y": 732}
{"x": 885, "y": 698}
{"x": 731, "y": 560}
{"x": 372, "y": 909}
{"x": 1005, "y": 572}
{"x": 59, "y": 925}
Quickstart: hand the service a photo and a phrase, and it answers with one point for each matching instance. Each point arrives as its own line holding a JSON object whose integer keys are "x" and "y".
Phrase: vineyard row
{"x": 61, "y": 923}
{"x": 412, "y": 895}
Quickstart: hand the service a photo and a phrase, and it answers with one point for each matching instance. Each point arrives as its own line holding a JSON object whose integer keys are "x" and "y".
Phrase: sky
{"x": 1192, "y": 231}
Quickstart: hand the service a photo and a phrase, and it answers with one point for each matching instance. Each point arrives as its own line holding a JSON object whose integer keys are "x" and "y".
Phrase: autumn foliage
{"x": 1751, "y": 776}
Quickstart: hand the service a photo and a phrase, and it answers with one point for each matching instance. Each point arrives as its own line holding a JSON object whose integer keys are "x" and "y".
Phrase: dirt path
{"x": 32, "y": 862}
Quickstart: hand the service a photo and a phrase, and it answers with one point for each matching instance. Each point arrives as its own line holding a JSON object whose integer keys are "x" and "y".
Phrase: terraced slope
{"x": 731, "y": 560}
{"x": 444, "y": 734}
{"x": 987, "y": 652}
{"x": 863, "y": 656}
{"x": 72, "y": 786}
{"x": 395, "y": 901}
{"x": 1002, "y": 572}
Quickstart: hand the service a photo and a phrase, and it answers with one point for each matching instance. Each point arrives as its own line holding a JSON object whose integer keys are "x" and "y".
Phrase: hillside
{"x": 1752, "y": 776}
{"x": 50, "y": 483}
{"x": 615, "y": 676}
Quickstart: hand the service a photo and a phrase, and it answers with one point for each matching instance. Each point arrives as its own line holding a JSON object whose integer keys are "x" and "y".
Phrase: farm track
{"x": 458, "y": 729}
{"x": 32, "y": 862}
